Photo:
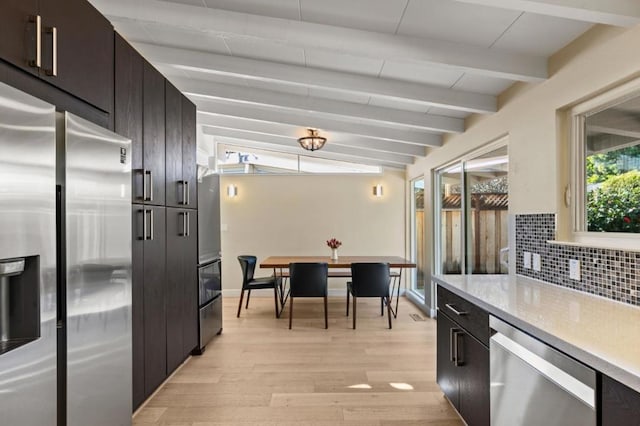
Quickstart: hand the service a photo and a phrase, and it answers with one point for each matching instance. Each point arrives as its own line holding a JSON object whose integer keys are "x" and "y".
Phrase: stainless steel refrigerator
{"x": 65, "y": 268}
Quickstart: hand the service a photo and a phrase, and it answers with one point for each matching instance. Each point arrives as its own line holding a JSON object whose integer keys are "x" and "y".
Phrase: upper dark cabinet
{"x": 67, "y": 43}
{"x": 153, "y": 136}
{"x": 128, "y": 108}
{"x": 181, "y": 150}
{"x": 189, "y": 168}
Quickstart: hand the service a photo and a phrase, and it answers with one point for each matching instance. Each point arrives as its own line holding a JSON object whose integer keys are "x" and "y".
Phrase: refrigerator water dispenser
{"x": 19, "y": 302}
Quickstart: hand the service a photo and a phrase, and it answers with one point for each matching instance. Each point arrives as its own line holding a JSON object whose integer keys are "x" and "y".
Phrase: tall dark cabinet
{"x": 161, "y": 123}
{"x": 182, "y": 303}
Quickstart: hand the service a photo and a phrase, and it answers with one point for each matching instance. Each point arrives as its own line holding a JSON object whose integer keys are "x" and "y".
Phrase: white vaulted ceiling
{"x": 383, "y": 80}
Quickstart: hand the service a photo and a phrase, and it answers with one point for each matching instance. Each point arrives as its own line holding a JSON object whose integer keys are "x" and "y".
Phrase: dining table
{"x": 339, "y": 268}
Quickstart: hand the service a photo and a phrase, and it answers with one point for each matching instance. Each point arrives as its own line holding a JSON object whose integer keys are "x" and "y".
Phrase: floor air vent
{"x": 417, "y": 317}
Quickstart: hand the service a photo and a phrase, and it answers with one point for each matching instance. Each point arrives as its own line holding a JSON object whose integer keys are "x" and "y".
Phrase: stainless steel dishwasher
{"x": 533, "y": 384}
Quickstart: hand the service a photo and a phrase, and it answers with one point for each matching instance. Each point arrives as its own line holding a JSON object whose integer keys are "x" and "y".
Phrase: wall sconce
{"x": 232, "y": 191}
{"x": 377, "y": 190}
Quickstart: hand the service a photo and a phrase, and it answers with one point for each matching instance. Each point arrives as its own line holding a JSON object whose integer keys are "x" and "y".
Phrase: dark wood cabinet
{"x": 190, "y": 301}
{"x": 462, "y": 361}
{"x": 620, "y": 404}
{"x": 150, "y": 111}
{"x": 447, "y": 373}
{"x": 181, "y": 150}
{"x": 154, "y": 299}
{"x": 189, "y": 167}
{"x": 175, "y": 188}
{"x": 474, "y": 381}
{"x": 153, "y": 136}
{"x": 128, "y": 108}
{"x": 76, "y": 46}
{"x": 18, "y": 41}
{"x": 182, "y": 285}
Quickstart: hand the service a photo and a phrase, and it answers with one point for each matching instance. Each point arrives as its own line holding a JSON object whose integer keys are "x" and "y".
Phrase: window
{"x": 606, "y": 151}
{"x": 471, "y": 219}
{"x": 237, "y": 160}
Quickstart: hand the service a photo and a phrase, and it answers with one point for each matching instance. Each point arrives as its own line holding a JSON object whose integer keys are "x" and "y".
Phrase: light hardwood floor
{"x": 258, "y": 372}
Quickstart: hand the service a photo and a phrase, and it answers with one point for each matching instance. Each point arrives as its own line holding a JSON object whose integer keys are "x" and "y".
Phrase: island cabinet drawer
{"x": 465, "y": 313}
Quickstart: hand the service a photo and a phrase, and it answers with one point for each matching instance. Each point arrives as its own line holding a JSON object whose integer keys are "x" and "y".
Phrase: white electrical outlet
{"x": 537, "y": 266}
{"x": 574, "y": 269}
{"x": 526, "y": 260}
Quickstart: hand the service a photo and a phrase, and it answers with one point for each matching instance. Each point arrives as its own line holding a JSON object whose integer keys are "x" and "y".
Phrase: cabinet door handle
{"x": 144, "y": 185}
{"x": 457, "y": 346}
{"x": 37, "y": 21}
{"x": 188, "y": 223}
{"x": 184, "y": 224}
{"x": 151, "y": 225}
{"x": 183, "y": 199}
{"x": 455, "y": 311}
{"x": 54, "y": 52}
{"x": 147, "y": 195}
{"x": 186, "y": 191}
{"x": 144, "y": 224}
{"x": 453, "y": 344}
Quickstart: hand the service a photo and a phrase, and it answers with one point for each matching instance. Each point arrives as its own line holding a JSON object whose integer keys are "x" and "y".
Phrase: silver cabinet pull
{"x": 188, "y": 223}
{"x": 147, "y": 195}
{"x": 458, "y": 361}
{"x": 455, "y": 311}
{"x": 150, "y": 186}
{"x": 184, "y": 224}
{"x": 37, "y": 21}
{"x": 151, "y": 225}
{"x": 144, "y": 224}
{"x": 186, "y": 191}
{"x": 144, "y": 185}
{"x": 452, "y": 357}
{"x": 183, "y": 199}
{"x": 54, "y": 52}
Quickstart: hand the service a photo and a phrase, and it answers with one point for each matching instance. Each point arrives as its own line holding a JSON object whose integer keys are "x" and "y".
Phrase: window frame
{"x": 578, "y": 193}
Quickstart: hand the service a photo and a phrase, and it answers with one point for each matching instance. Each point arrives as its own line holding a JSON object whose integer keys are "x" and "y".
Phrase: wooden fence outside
{"x": 489, "y": 229}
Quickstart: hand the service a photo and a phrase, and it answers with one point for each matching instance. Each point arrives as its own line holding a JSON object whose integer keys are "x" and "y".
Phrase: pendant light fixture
{"x": 312, "y": 142}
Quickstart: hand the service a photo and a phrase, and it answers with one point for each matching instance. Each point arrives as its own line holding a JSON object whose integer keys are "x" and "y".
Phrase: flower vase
{"x": 334, "y": 254}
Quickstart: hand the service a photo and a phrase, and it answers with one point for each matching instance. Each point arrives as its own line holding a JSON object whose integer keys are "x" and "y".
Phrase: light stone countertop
{"x": 599, "y": 332}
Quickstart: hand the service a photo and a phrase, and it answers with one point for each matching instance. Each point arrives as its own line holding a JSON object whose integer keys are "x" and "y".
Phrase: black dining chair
{"x": 249, "y": 282}
{"x": 308, "y": 280}
{"x": 369, "y": 280}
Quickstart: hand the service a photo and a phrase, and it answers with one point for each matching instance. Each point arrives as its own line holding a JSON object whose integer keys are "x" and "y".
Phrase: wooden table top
{"x": 276, "y": 262}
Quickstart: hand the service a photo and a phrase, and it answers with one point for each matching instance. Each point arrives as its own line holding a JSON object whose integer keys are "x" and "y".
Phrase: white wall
{"x": 296, "y": 214}
{"x": 528, "y": 115}
{"x": 531, "y": 116}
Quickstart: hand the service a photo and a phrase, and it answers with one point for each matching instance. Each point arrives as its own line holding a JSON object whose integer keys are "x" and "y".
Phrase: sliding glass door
{"x": 417, "y": 235}
{"x": 471, "y": 219}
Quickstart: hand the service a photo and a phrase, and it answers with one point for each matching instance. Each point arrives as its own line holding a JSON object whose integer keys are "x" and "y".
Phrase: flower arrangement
{"x": 334, "y": 243}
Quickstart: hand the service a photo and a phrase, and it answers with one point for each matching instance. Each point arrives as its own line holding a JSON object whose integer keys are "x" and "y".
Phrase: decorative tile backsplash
{"x": 610, "y": 273}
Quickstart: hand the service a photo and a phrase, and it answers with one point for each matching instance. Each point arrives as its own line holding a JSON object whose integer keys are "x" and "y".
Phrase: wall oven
{"x": 210, "y": 303}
